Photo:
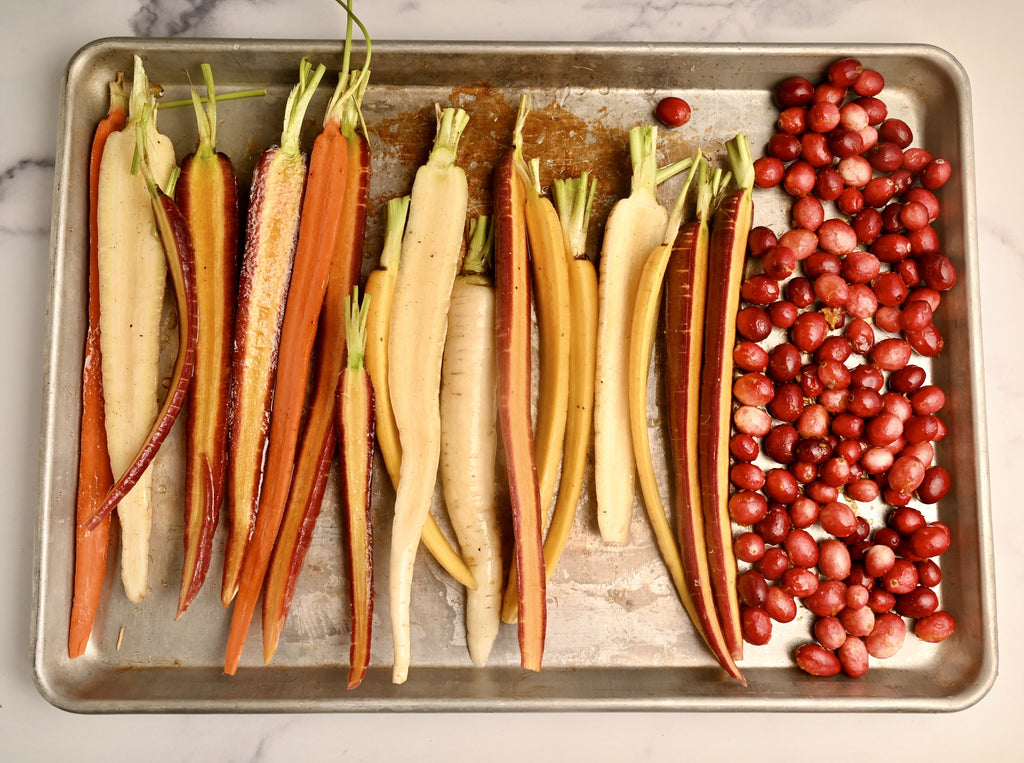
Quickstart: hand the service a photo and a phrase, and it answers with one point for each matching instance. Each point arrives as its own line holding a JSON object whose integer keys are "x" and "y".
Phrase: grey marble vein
{"x": 172, "y": 18}
{"x": 24, "y": 196}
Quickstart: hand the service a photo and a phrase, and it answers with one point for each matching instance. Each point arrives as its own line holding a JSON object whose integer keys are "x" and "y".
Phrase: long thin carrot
{"x": 727, "y": 253}
{"x": 355, "y": 426}
{"x": 550, "y": 269}
{"x": 512, "y": 318}
{"x": 94, "y": 475}
{"x": 574, "y": 201}
{"x": 207, "y": 193}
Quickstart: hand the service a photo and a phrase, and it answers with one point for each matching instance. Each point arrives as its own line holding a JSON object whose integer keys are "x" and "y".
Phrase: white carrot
{"x": 132, "y": 273}
{"x": 380, "y": 293}
{"x": 469, "y": 438}
{"x": 419, "y": 321}
{"x": 635, "y": 227}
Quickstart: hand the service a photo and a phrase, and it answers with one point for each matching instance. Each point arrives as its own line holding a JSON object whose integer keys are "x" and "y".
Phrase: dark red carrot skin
{"x": 727, "y": 249}
{"x": 94, "y": 476}
{"x": 683, "y": 327}
{"x": 512, "y": 308}
{"x": 318, "y": 437}
{"x": 177, "y": 243}
{"x": 201, "y": 521}
{"x": 356, "y": 460}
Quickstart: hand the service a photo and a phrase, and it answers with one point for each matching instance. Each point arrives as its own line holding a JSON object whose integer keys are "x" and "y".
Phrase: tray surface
{"x": 617, "y": 636}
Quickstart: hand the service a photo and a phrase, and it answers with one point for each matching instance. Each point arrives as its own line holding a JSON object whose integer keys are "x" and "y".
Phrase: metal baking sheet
{"x": 617, "y": 637}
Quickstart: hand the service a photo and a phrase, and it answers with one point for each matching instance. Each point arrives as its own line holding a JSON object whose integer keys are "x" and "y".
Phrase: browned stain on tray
{"x": 564, "y": 142}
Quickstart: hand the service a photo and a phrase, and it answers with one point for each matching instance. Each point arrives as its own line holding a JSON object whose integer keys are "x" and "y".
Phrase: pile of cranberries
{"x": 834, "y": 410}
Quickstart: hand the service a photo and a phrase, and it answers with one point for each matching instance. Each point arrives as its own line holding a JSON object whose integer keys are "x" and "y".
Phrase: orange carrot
{"x": 94, "y": 475}
{"x": 299, "y": 508}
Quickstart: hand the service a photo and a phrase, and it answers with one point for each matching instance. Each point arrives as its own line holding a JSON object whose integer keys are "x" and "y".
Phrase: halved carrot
{"x": 727, "y": 255}
{"x": 355, "y": 426}
{"x": 550, "y": 269}
{"x": 634, "y": 227}
{"x": 380, "y": 286}
{"x": 292, "y": 515}
{"x": 574, "y": 199}
{"x": 132, "y": 279}
{"x": 176, "y": 242}
{"x": 279, "y": 181}
{"x": 207, "y": 193}
{"x": 512, "y": 310}
{"x": 94, "y": 476}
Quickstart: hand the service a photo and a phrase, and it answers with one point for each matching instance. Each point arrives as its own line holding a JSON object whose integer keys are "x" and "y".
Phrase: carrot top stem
{"x": 351, "y": 85}
{"x": 355, "y": 328}
{"x": 517, "y": 144}
{"x": 232, "y": 96}
{"x": 396, "y": 213}
{"x": 480, "y": 246}
{"x": 451, "y": 123}
{"x": 574, "y": 199}
{"x": 643, "y": 143}
{"x": 298, "y": 101}
{"x": 697, "y": 166}
{"x": 140, "y": 161}
{"x": 741, "y": 161}
{"x": 671, "y": 170}
{"x": 206, "y": 120}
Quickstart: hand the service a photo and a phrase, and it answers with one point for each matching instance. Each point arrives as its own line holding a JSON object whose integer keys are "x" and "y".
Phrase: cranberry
{"x": 672, "y": 111}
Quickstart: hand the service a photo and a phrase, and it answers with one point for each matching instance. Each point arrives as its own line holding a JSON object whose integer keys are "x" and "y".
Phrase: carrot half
{"x": 132, "y": 267}
{"x": 297, "y": 515}
{"x": 272, "y": 232}
{"x": 512, "y": 311}
{"x": 635, "y": 226}
{"x": 727, "y": 255}
{"x": 174, "y": 237}
{"x": 574, "y": 200}
{"x": 94, "y": 475}
{"x": 550, "y": 269}
{"x": 207, "y": 194}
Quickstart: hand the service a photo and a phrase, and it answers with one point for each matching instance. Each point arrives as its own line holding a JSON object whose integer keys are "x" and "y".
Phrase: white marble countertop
{"x": 36, "y": 41}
